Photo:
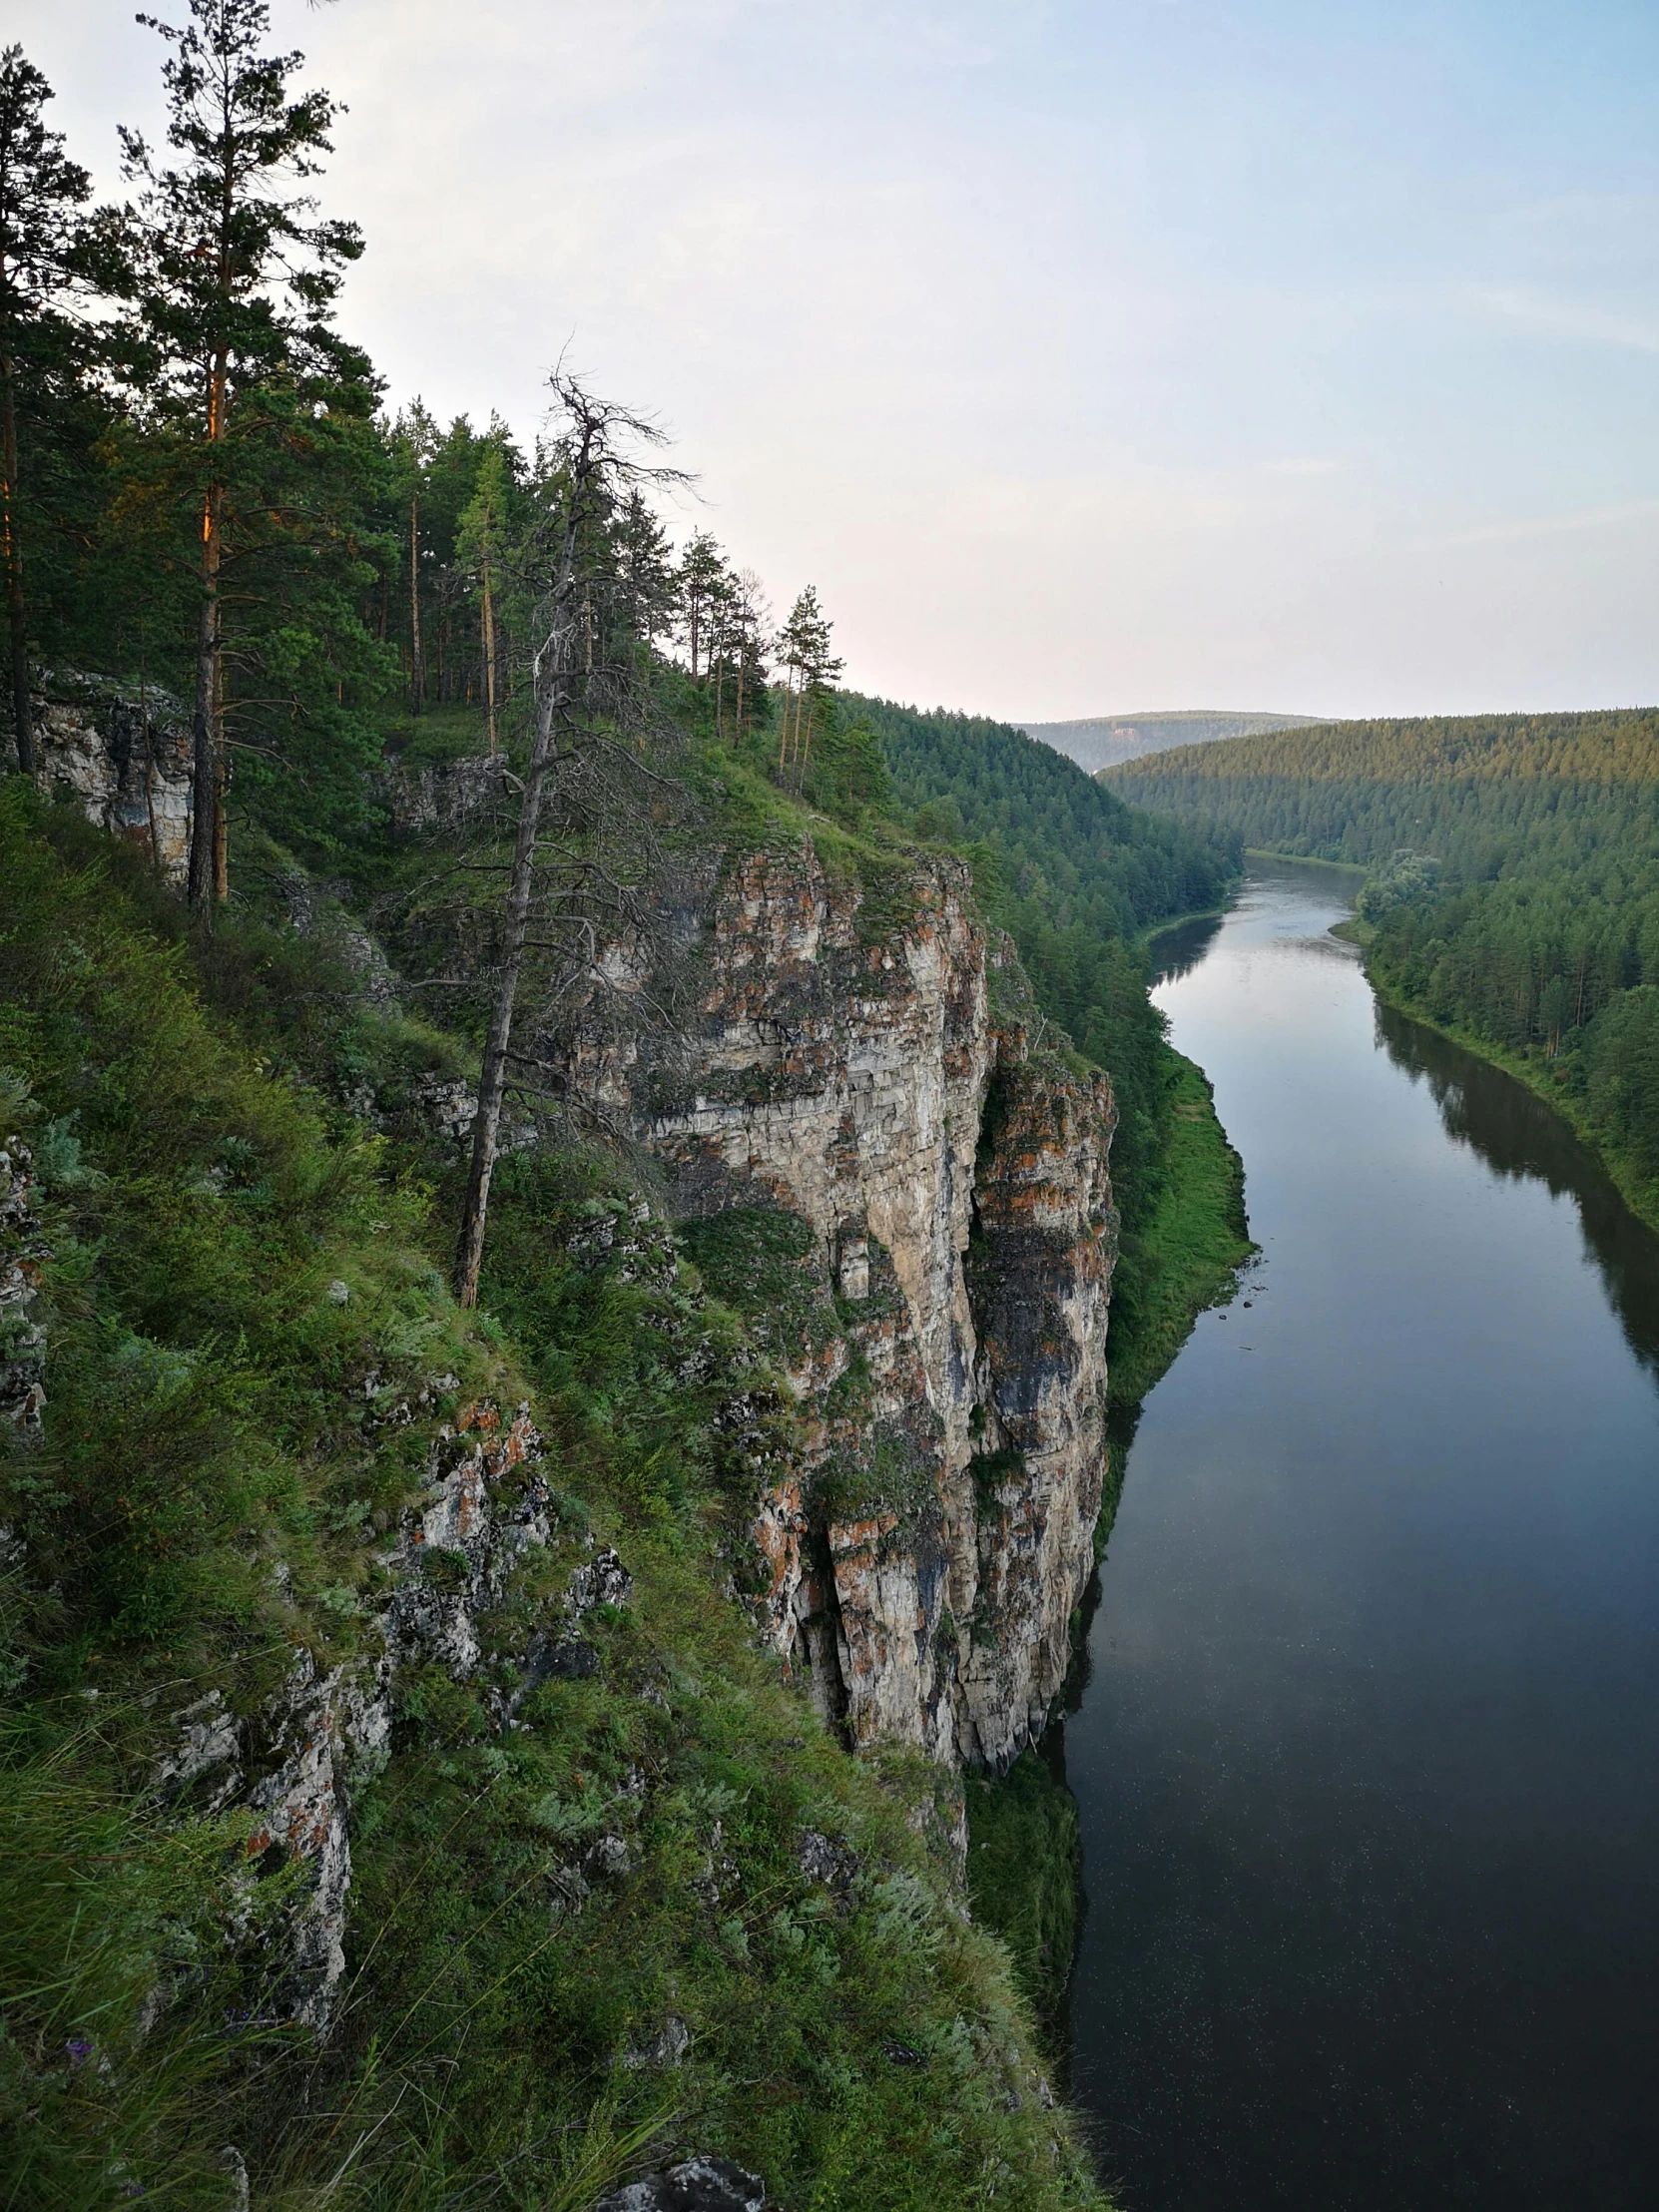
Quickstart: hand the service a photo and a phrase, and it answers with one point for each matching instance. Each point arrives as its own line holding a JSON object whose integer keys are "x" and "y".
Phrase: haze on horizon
{"x": 1087, "y": 355}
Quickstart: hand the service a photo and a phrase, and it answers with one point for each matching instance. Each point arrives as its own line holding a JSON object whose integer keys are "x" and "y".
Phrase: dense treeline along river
{"x": 1368, "y": 1749}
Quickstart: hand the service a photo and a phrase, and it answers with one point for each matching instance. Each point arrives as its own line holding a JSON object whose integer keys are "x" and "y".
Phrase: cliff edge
{"x": 862, "y": 1056}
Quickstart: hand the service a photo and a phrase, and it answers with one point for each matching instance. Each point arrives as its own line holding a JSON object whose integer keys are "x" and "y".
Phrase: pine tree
{"x": 645, "y": 570}
{"x": 43, "y": 242}
{"x": 702, "y": 568}
{"x": 751, "y": 643}
{"x": 237, "y": 284}
{"x": 812, "y": 670}
{"x": 479, "y": 551}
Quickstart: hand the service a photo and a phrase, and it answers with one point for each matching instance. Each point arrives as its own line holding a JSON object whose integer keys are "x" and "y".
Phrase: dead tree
{"x": 569, "y": 896}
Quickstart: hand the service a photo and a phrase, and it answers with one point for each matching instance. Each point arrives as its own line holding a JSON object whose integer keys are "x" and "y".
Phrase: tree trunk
{"x": 799, "y": 704}
{"x": 489, "y": 656}
{"x": 557, "y": 656}
{"x": 23, "y": 721}
{"x": 221, "y": 776}
{"x": 417, "y": 671}
{"x": 203, "y": 826}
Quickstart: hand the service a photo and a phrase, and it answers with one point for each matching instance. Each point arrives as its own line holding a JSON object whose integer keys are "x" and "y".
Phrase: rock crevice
{"x": 846, "y": 1065}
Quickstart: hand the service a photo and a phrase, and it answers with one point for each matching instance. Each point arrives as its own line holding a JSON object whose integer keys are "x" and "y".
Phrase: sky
{"x": 1088, "y": 356}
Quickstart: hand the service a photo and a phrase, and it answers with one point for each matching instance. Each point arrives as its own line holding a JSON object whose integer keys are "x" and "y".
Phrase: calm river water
{"x": 1368, "y": 1752}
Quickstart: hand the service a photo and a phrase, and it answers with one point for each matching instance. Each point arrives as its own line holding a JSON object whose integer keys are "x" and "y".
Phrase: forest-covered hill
{"x": 1105, "y": 740}
{"x": 1528, "y": 917}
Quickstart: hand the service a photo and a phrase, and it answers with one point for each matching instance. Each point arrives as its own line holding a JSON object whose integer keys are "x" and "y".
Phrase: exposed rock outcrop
{"x": 925, "y": 1554}
{"x": 23, "y": 1255}
{"x": 859, "y": 1056}
{"x": 126, "y": 754}
{"x": 696, "y": 2184}
{"x": 448, "y": 795}
{"x": 291, "y": 1764}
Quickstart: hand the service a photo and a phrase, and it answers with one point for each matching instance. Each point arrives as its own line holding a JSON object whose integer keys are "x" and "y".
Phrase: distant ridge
{"x": 1106, "y": 741}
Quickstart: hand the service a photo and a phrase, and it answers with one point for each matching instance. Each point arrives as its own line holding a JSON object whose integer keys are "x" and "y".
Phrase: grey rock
{"x": 883, "y": 1076}
{"x": 832, "y": 1864}
{"x": 209, "y": 1737}
{"x": 557, "y": 1659}
{"x": 608, "y": 1859}
{"x": 667, "y": 2048}
{"x": 126, "y": 755}
{"x": 604, "y": 1580}
{"x": 235, "y": 2167}
{"x": 698, "y": 2184}
{"x": 23, "y": 1255}
{"x": 445, "y": 797}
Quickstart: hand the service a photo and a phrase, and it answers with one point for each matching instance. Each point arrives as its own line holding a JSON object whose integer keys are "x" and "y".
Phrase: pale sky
{"x": 1089, "y": 356}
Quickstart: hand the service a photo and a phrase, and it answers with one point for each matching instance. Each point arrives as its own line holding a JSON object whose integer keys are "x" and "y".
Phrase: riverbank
{"x": 1545, "y": 1079}
{"x": 1192, "y": 1247}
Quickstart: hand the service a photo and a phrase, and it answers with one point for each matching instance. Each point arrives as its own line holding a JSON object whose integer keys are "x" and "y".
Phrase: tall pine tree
{"x": 236, "y": 282}
{"x": 43, "y": 239}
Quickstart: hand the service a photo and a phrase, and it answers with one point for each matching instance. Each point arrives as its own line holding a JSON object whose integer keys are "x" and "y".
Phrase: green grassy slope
{"x": 210, "y": 1491}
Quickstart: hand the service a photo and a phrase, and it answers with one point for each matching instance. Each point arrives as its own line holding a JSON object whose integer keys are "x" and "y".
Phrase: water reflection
{"x": 1516, "y": 1134}
{"x": 1367, "y": 1751}
{"x": 1177, "y": 950}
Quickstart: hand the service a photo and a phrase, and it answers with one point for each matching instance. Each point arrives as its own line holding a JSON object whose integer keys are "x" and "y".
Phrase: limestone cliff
{"x": 862, "y": 1055}
{"x": 857, "y": 1055}
{"x": 125, "y": 753}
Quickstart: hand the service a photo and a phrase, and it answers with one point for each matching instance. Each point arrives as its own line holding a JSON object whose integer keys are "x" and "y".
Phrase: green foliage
{"x": 103, "y": 1899}
{"x": 764, "y": 1262}
{"x": 1525, "y": 913}
{"x": 1407, "y": 878}
{"x": 533, "y": 1908}
{"x": 198, "y": 1211}
{"x": 1025, "y": 1872}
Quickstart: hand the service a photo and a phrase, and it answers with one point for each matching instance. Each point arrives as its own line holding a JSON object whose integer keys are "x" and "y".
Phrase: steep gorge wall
{"x": 860, "y": 1054}
{"x": 843, "y": 1062}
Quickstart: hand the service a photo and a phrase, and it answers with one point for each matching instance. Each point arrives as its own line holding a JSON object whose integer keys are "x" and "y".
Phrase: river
{"x": 1367, "y": 1743}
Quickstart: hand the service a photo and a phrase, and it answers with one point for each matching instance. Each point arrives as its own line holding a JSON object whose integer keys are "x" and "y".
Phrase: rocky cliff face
{"x": 860, "y": 1057}
{"x": 127, "y": 759}
{"x": 844, "y": 1063}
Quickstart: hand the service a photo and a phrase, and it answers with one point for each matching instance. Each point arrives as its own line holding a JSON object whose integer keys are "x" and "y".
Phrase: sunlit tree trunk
{"x": 206, "y": 869}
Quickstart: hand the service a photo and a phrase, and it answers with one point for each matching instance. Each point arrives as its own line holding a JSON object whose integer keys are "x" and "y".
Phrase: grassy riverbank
{"x": 1024, "y": 1880}
{"x": 1550, "y": 1080}
{"x": 1192, "y": 1245}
